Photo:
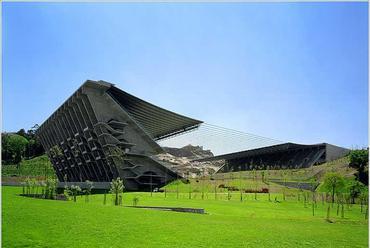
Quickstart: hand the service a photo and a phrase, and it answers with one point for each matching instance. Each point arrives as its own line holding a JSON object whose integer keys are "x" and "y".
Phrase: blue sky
{"x": 290, "y": 71}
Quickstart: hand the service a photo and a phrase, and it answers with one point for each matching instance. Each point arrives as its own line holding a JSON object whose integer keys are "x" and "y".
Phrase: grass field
{"x": 29, "y": 222}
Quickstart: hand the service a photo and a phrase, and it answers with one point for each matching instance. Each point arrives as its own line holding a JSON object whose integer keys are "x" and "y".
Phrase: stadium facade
{"x": 101, "y": 133}
{"x": 282, "y": 156}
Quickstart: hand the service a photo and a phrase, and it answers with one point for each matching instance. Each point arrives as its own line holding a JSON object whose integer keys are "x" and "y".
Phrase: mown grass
{"x": 29, "y": 222}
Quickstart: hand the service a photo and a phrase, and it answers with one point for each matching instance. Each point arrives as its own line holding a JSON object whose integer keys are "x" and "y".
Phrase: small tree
{"x": 42, "y": 185}
{"x": 87, "y": 191}
{"x": 51, "y": 185}
{"x": 188, "y": 180}
{"x": 135, "y": 201}
{"x": 116, "y": 187}
{"x": 285, "y": 176}
{"x": 240, "y": 184}
{"x": 263, "y": 176}
{"x": 363, "y": 197}
{"x": 333, "y": 183}
{"x": 267, "y": 182}
{"x": 255, "y": 183}
{"x": 75, "y": 190}
{"x": 23, "y": 187}
{"x": 28, "y": 183}
{"x": 67, "y": 190}
{"x": 354, "y": 189}
{"x": 105, "y": 198}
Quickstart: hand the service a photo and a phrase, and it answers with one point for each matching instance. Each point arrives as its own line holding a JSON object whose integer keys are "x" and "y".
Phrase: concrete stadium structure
{"x": 101, "y": 133}
{"x": 282, "y": 156}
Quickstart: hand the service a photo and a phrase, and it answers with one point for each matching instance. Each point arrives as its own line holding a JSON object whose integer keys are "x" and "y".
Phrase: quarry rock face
{"x": 181, "y": 161}
{"x": 189, "y": 151}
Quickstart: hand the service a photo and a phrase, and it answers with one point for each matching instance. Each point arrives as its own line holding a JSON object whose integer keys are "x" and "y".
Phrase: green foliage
{"x": 333, "y": 183}
{"x": 116, "y": 188}
{"x": 55, "y": 151}
{"x": 117, "y": 154}
{"x": 13, "y": 147}
{"x": 354, "y": 188}
{"x": 359, "y": 159}
{"x": 34, "y": 147}
{"x": 36, "y": 167}
{"x": 87, "y": 191}
{"x": 89, "y": 187}
{"x": 75, "y": 190}
{"x": 50, "y": 188}
{"x": 28, "y": 183}
{"x": 67, "y": 191}
{"x": 20, "y": 145}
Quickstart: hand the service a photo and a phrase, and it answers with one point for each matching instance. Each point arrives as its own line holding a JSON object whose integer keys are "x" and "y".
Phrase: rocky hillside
{"x": 189, "y": 151}
{"x": 180, "y": 160}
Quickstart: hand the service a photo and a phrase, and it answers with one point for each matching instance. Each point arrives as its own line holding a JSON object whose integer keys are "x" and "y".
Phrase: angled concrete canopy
{"x": 101, "y": 133}
{"x": 282, "y": 156}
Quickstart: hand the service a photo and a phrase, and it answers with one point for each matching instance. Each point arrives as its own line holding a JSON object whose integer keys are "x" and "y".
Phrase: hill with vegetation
{"x": 38, "y": 167}
{"x": 41, "y": 166}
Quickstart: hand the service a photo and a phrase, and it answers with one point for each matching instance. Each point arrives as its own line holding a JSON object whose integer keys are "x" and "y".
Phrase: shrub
{"x": 51, "y": 185}
{"x": 75, "y": 189}
{"x": 87, "y": 191}
{"x": 116, "y": 187}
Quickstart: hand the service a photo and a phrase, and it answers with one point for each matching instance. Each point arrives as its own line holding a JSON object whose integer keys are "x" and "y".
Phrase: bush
{"x": 359, "y": 159}
{"x": 50, "y": 188}
{"x": 116, "y": 187}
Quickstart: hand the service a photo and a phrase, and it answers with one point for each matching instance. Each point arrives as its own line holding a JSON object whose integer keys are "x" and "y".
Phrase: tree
{"x": 116, "y": 187}
{"x": 50, "y": 188}
{"x": 333, "y": 183}
{"x": 13, "y": 147}
{"x": 22, "y": 132}
{"x": 89, "y": 187}
{"x": 359, "y": 159}
{"x": 34, "y": 147}
{"x": 354, "y": 189}
{"x": 75, "y": 189}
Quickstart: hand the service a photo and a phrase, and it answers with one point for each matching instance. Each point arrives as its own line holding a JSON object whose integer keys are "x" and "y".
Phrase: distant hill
{"x": 189, "y": 151}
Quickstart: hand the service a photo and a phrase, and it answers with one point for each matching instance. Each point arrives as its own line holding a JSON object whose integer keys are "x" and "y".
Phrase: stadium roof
{"x": 157, "y": 122}
{"x": 262, "y": 150}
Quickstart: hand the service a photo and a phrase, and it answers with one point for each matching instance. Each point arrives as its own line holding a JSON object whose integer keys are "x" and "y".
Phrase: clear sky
{"x": 289, "y": 71}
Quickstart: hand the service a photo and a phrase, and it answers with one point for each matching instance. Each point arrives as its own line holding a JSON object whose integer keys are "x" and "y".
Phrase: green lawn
{"x": 31, "y": 222}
